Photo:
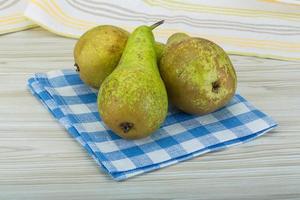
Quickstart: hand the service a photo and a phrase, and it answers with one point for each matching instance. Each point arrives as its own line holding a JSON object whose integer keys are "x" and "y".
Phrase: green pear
{"x": 198, "y": 74}
{"x": 132, "y": 100}
{"x": 98, "y": 52}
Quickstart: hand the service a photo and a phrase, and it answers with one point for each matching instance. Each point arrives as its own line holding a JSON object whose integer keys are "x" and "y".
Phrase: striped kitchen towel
{"x": 263, "y": 28}
{"x": 180, "y": 137}
{"x": 12, "y": 16}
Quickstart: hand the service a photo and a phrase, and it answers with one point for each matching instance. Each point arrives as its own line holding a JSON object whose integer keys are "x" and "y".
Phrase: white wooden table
{"x": 39, "y": 160}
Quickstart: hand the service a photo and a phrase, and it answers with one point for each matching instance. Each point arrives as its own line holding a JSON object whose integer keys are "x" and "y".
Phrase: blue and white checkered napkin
{"x": 181, "y": 137}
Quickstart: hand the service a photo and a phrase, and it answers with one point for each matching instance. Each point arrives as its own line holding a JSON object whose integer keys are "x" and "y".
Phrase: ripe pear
{"x": 198, "y": 74}
{"x": 98, "y": 52}
{"x": 159, "y": 49}
{"x": 132, "y": 100}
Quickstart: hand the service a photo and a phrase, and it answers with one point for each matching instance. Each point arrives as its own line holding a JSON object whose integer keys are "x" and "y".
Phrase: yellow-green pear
{"x": 198, "y": 74}
{"x": 132, "y": 100}
{"x": 97, "y": 53}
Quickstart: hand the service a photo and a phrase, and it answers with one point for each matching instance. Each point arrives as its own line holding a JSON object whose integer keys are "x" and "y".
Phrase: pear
{"x": 159, "y": 49}
{"x": 98, "y": 51}
{"x": 198, "y": 74}
{"x": 132, "y": 100}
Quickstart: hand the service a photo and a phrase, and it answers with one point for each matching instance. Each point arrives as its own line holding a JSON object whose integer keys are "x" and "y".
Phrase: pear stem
{"x": 153, "y": 26}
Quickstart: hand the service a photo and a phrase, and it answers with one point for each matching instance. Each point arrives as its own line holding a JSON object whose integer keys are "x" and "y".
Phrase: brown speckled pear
{"x": 198, "y": 74}
{"x": 133, "y": 101}
{"x": 98, "y": 51}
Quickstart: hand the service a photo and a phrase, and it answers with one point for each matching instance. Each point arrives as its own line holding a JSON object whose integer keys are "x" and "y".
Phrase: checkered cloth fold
{"x": 180, "y": 137}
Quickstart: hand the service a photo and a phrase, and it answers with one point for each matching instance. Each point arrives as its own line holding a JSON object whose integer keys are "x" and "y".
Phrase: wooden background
{"x": 39, "y": 160}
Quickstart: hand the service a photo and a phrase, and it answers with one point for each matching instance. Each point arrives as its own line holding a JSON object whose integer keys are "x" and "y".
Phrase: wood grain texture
{"x": 39, "y": 160}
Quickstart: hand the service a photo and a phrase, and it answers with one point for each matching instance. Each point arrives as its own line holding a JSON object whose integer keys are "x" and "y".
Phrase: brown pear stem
{"x": 153, "y": 26}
